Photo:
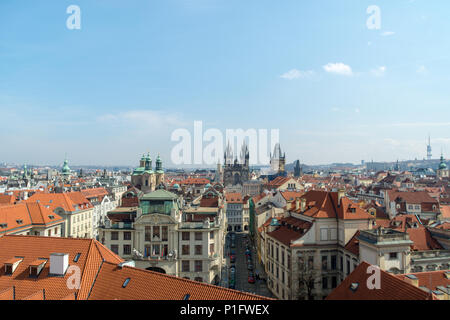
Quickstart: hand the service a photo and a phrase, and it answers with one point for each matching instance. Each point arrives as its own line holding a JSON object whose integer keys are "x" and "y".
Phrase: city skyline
{"x": 337, "y": 90}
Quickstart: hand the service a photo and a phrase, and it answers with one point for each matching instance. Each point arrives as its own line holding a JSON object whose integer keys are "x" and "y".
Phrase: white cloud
{"x": 295, "y": 74}
{"x": 422, "y": 70}
{"x": 387, "y": 33}
{"x": 357, "y": 110}
{"x": 338, "y": 68}
{"x": 379, "y": 71}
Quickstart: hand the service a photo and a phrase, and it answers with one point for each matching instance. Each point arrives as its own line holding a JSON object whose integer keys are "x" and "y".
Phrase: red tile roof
{"x": 22, "y": 216}
{"x": 68, "y": 201}
{"x": 429, "y": 279}
{"x": 391, "y": 287}
{"x": 33, "y": 247}
{"x": 150, "y": 285}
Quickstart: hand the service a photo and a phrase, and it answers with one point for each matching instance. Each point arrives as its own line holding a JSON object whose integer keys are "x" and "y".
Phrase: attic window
{"x": 127, "y": 280}
{"x": 51, "y": 217}
{"x": 77, "y": 257}
{"x": 354, "y": 286}
{"x": 3, "y": 225}
{"x": 19, "y": 221}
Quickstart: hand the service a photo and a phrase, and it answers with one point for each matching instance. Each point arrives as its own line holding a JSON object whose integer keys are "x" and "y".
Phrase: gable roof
{"x": 22, "y": 216}
{"x": 32, "y": 248}
{"x": 391, "y": 288}
{"x": 69, "y": 201}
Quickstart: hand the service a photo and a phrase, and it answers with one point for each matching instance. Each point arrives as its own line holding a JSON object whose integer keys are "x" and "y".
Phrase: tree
{"x": 308, "y": 277}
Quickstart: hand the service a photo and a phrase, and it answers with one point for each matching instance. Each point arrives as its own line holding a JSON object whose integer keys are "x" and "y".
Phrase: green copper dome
{"x": 65, "y": 168}
{"x": 442, "y": 165}
{"x": 159, "y": 168}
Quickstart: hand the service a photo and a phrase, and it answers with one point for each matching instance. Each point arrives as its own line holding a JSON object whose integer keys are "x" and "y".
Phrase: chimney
{"x": 59, "y": 262}
{"x": 297, "y": 203}
{"x": 303, "y": 204}
{"x": 341, "y": 194}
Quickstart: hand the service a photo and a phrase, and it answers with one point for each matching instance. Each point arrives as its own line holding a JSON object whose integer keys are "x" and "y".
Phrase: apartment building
{"x": 306, "y": 248}
{"x": 30, "y": 219}
{"x": 100, "y": 199}
{"x": 73, "y": 207}
{"x": 160, "y": 235}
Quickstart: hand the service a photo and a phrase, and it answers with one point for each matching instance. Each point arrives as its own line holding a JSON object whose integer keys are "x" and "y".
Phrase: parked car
{"x": 251, "y": 279}
{"x": 232, "y": 259}
{"x": 250, "y": 267}
{"x": 248, "y": 252}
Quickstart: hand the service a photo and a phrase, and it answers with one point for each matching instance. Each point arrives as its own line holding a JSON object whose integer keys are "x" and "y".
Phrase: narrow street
{"x": 242, "y": 272}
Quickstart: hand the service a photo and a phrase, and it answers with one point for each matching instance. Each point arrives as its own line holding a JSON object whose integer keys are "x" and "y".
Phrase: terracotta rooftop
{"x": 354, "y": 287}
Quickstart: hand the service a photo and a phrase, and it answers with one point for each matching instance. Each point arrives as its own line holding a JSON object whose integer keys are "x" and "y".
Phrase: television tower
{"x": 429, "y": 148}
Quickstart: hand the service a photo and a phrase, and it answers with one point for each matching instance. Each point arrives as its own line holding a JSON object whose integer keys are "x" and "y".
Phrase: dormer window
{"x": 36, "y": 267}
{"x": 51, "y": 217}
{"x": 3, "y": 225}
{"x": 12, "y": 264}
{"x": 19, "y": 221}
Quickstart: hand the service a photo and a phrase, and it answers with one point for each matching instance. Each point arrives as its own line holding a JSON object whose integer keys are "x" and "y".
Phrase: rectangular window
{"x": 127, "y": 235}
{"x": 114, "y": 235}
{"x": 348, "y": 267}
{"x": 199, "y": 236}
{"x": 211, "y": 235}
{"x": 393, "y": 255}
{"x": 341, "y": 264}
{"x": 185, "y": 236}
{"x": 333, "y": 234}
{"x": 324, "y": 262}
{"x": 198, "y": 250}
{"x": 126, "y": 249}
{"x": 165, "y": 234}
{"x": 185, "y": 266}
{"x": 148, "y": 233}
{"x": 156, "y": 233}
{"x": 324, "y": 283}
{"x": 211, "y": 248}
{"x": 333, "y": 282}
{"x": 185, "y": 249}
{"x": 115, "y": 248}
{"x": 324, "y": 234}
{"x": 333, "y": 262}
{"x": 198, "y": 266}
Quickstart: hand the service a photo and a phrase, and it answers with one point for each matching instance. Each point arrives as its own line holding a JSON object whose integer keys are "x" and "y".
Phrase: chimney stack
{"x": 303, "y": 204}
{"x": 297, "y": 203}
{"x": 341, "y": 194}
{"x": 59, "y": 262}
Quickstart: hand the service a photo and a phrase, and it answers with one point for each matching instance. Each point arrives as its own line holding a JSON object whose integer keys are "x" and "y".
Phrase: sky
{"x": 337, "y": 89}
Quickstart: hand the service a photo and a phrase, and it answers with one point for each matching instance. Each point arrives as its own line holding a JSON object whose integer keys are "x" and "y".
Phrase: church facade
{"x": 144, "y": 177}
{"x": 236, "y": 172}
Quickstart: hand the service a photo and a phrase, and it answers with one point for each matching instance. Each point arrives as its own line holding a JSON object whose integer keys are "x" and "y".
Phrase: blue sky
{"x": 137, "y": 70}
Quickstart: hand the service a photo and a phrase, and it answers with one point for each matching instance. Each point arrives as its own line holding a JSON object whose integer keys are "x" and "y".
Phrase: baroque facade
{"x": 144, "y": 177}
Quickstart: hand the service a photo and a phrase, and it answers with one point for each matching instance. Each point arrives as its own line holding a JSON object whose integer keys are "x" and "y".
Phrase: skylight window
{"x": 77, "y": 257}
{"x": 127, "y": 280}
